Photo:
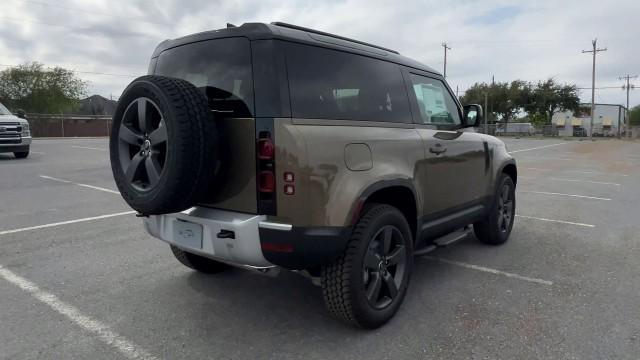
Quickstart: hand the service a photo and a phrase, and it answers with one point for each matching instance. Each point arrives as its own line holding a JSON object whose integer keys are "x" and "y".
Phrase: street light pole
{"x": 593, "y": 82}
{"x": 444, "y": 45}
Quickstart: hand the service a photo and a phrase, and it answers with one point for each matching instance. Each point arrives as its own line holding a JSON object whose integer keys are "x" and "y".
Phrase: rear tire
{"x": 21, "y": 154}
{"x": 163, "y": 145}
{"x": 198, "y": 263}
{"x": 368, "y": 283}
{"x": 496, "y": 227}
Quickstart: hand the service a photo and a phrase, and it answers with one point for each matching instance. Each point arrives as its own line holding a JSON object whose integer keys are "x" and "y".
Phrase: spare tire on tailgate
{"x": 162, "y": 145}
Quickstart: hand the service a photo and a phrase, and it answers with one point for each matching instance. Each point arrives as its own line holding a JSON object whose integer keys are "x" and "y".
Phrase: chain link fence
{"x": 552, "y": 130}
{"x": 61, "y": 125}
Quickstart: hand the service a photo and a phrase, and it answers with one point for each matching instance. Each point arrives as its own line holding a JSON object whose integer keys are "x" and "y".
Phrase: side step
{"x": 445, "y": 240}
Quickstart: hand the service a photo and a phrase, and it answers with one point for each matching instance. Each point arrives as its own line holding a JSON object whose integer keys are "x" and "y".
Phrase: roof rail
{"x": 295, "y": 27}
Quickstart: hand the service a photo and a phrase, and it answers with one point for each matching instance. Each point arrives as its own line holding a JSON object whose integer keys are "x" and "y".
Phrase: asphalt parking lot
{"x": 80, "y": 279}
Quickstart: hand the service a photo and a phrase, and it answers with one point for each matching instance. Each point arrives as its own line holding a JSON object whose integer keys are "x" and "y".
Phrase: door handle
{"x": 437, "y": 149}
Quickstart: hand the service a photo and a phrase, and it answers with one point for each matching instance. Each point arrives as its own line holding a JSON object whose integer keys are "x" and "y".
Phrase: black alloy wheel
{"x": 505, "y": 208}
{"x": 384, "y": 266}
{"x": 496, "y": 226}
{"x": 142, "y": 144}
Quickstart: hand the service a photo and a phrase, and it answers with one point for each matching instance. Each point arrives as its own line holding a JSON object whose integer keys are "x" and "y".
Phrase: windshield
{"x": 4, "y": 110}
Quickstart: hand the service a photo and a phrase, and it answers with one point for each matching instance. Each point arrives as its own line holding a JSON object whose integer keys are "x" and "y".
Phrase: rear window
{"x": 329, "y": 84}
{"x": 221, "y": 68}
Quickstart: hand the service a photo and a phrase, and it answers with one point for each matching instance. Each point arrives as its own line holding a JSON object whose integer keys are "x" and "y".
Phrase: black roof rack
{"x": 295, "y": 27}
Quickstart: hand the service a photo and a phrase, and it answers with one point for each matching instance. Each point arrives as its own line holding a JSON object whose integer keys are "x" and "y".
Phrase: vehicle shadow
{"x": 285, "y": 317}
{"x": 7, "y": 157}
{"x": 292, "y": 302}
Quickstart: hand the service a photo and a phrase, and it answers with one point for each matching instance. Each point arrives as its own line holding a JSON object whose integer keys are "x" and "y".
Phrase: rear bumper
{"x": 249, "y": 240}
{"x": 303, "y": 247}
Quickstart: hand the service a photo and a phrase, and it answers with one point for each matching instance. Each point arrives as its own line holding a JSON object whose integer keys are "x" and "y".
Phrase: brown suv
{"x": 271, "y": 146}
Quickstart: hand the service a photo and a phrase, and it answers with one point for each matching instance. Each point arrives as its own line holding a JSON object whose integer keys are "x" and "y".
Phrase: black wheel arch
{"x": 509, "y": 167}
{"x": 399, "y": 193}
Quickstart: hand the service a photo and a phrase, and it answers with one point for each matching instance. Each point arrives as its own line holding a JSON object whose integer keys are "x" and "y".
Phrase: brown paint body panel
{"x": 332, "y": 170}
{"x": 326, "y": 189}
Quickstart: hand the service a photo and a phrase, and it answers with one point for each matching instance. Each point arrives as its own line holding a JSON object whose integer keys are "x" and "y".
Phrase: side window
{"x": 436, "y": 105}
{"x": 331, "y": 84}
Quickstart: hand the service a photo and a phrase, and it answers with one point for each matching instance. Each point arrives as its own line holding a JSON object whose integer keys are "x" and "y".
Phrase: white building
{"x": 608, "y": 120}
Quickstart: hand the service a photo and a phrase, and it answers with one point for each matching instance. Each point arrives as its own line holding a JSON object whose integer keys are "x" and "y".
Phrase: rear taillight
{"x": 266, "y": 169}
{"x": 266, "y": 149}
{"x": 266, "y": 182}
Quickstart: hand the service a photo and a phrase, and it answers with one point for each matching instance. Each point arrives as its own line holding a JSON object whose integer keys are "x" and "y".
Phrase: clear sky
{"x": 529, "y": 40}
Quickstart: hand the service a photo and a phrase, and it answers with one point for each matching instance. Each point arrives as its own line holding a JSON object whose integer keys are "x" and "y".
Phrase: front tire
{"x": 197, "y": 262}
{"x": 496, "y": 227}
{"x": 368, "y": 283}
{"x": 21, "y": 154}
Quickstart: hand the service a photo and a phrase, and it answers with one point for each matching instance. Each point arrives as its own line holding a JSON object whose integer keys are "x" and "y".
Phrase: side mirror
{"x": 472, "y": 115}
{"x": 21, "y": 114}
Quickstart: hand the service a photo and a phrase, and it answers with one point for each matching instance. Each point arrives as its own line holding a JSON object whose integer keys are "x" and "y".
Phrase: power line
{"x": 80, "y": 29}
{"x": 91, "y": 12}
{"x": 82, "y": 72}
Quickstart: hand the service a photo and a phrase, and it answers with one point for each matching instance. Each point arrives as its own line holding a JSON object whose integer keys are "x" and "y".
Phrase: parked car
{"x": 272, "y": 146}
{"x": 15, "y": 136}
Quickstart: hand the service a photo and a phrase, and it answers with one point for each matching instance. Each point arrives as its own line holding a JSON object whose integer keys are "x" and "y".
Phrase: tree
{"x": 548, "y": 97}
{"x": 33, "y": 87}
{"x": 506, "y": 100}
{"x": 634, "y": 116}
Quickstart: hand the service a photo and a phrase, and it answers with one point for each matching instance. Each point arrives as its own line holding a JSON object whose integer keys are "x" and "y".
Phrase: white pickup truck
{"x": 15, "y": 136}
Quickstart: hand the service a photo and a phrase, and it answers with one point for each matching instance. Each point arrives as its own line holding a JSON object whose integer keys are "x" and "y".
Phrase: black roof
{"x": 282, "y": 31}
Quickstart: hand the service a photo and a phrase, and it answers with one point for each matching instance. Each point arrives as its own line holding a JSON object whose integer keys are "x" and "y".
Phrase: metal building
{"x": 608, "y": 120}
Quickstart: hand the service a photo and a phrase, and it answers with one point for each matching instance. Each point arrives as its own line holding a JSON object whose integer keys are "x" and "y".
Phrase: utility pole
{"x": 444, "y": 45}
{"x": 486, "y": 113}
{"x": 593, "y": 82}
{"x": 628, "y": 87}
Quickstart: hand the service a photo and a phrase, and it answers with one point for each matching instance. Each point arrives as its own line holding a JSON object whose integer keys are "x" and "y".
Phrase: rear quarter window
{"x": 221, "y": 68}
{"x": 330, "y": 84}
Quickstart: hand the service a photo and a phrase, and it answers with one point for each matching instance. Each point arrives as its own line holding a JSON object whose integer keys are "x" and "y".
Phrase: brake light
{"x": 266, "y": 150}
{"x": 266, "y": 182}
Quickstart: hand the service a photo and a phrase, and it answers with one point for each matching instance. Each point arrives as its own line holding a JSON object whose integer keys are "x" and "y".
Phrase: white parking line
{"x": 126, "y": 347}
{"x": 561, "y": 194}
{"x": 536, "y": 148}
{"x": 555, "y": 221}
{"x": 79, "y": 184}
{"x": 570, "y": 180}
{"x": 4, "y": 232}
{"x": 534, "y": 168}
{"x": 87, "y": 147}
{"x": 575, "y": 171}
{"x": 595, "y": 172}
{"x": 489, "y": 270}
{"x": 545, "y": 158}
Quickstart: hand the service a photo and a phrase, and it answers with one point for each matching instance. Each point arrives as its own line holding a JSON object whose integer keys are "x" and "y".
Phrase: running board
{"x": 445, "y": 240}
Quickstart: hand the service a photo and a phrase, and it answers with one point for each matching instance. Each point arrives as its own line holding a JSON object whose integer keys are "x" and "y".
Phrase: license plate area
{"x": 187, "y": 234}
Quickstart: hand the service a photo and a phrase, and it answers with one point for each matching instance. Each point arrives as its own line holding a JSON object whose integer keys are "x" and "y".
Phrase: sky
{"x": 505, "y": 40}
